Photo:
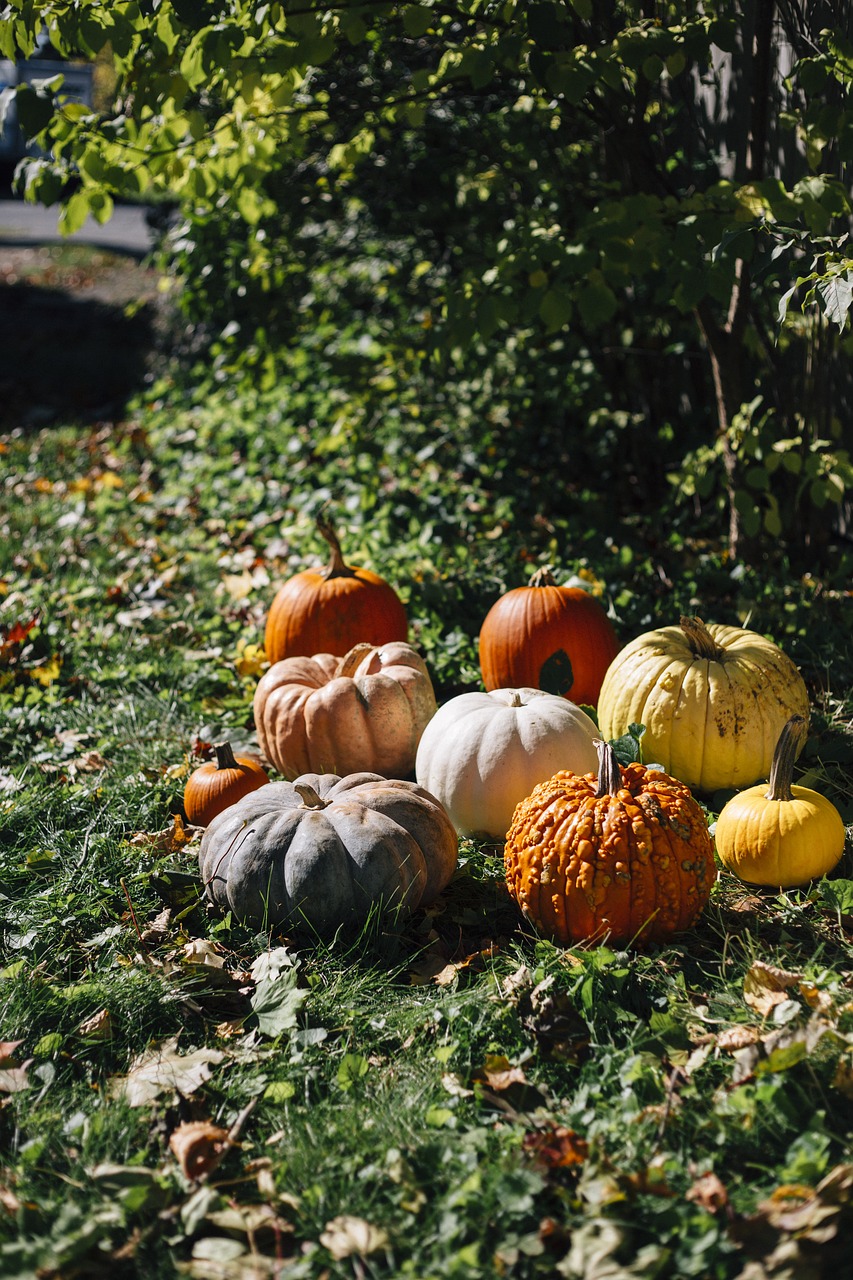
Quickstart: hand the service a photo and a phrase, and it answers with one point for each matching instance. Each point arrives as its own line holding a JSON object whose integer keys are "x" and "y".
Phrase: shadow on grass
{"x": 67, "y": 356}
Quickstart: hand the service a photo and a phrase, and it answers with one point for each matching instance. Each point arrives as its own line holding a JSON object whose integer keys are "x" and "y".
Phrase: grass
{"x": 454, "y": 1097}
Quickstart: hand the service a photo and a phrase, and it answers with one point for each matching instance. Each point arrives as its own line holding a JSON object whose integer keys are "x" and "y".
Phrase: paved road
{"x": 126, "y": 231}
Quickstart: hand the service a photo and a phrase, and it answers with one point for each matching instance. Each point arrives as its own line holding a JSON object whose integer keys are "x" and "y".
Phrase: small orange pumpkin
{"x": 544, "y": 636}
{"x": 330, "y": 610}
{"x": 622, "y": 857}
{"x": 219, "y": 783}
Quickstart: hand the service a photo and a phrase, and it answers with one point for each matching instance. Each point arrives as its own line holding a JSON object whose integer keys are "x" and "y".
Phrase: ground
{"x": 77, "y": 324}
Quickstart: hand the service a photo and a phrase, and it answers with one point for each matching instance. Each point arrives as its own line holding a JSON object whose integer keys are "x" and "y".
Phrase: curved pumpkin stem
{"x": 700, "y": 640}
{"x": 609, "y": 773}
{"x": 225, "y": 758}
{"x": 782, "y": 768}
{"x": 310, "y": 799}
{"x": 336, "y": 567}
{"x": 349, "y": 662}
{"x": 543, "y": 578}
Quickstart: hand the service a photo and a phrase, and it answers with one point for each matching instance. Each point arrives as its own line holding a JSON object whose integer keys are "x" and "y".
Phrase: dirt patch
{"x": 79, "y": 330}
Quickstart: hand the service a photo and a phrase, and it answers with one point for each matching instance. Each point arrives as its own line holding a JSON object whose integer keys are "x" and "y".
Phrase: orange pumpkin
{"x": 622, "y": 857}
{"x": 219, "y": 783}
{"x": 330, "y": 610}
{"x": 544, "y": 636}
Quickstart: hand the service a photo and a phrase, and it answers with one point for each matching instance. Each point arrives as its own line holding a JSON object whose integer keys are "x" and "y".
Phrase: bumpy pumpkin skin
{"x": 712, "y": 721}
{"x": 365, "y": 711}
{"x": 484, "y": 752}
{"x": 218, "y": 783}
{"x": 282, "y": 856}
{"x": 529, "y": 625}
{"x": 328, "y": 610}
{"x": 634, "y": 866}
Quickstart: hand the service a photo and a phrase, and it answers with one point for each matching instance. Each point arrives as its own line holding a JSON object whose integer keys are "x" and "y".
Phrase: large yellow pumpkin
{"x": 713, "y": 700}
{"x": 365, "y": 711}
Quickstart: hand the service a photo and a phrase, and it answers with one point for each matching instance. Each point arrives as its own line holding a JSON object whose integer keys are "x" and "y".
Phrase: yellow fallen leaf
{"x": 46, "y": 674}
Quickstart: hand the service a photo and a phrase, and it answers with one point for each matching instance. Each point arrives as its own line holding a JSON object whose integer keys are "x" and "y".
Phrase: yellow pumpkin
{"x": 713, "y": 700}
{"x": 363, "y": 712}
{"x": 782, "y": 834}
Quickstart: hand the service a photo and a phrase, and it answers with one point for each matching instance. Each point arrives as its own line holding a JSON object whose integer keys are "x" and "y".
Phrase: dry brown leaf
{"x": 156, "y": 930}
{"x": 164, "y": 1070}
{"x": 709, "y": 1193}
{"x": 734, "y": 1038}
{"x": 169, "y": 840}
{"x": 556, "y": 1148}
{"x": 199, "y": 1147}
{"x": 202, "y": 951}
{"x": 7, "y": 1052}
{"x": 98, "y": 1027}
{"x": 14, "y": 1079}
{"x": 346, "y": 1235}
{"x": 766, "y": 986}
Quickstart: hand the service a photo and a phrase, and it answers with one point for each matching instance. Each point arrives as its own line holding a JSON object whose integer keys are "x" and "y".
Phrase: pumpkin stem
{"x": 609, "y": 773}
{"x": 515, "y": 700}
{"x": 336, "y": 567}
{"x": 225, "y": 758}
{"x": 700, "y": 640}
{"x": 782, "y": 767}
{"x": 350, "y": 661}
{"x": 543, "y": 578}
{"x": 310, "y": 799}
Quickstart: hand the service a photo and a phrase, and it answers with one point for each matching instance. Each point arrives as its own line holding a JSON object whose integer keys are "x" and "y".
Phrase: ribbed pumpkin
{"x": 544, "y": 636}
{"x": 329, "y": 610}
{"x": 324, "y": 852}
{"x": 713, "y": 700}
{"x": 484, "y": 752}
{"x": 624, "y": 856}
{"x": 218, "y": 783}
{"x": 782, "y": 834}
{"x": 366, "y": 710}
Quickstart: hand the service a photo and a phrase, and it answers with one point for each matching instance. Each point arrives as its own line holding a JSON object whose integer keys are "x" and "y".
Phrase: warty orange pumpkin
{"x": 624, "y": 856}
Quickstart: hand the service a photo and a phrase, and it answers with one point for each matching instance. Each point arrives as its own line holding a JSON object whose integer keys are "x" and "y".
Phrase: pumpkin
{"x": 329, "y": 610}
{"x": 325, "y": 852}
{"x": 366, "y": 710}
{"x": 218, "y": 783}
{"x": 713, "y": 700}
{"x": 624, "y": 856}
{"x": 545, "y": 636}
{"x": 781, "y": 834}
{"x": 484, "y": 752}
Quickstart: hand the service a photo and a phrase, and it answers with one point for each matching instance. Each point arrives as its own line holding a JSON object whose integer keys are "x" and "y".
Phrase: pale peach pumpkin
{"x": 365, "y": 711}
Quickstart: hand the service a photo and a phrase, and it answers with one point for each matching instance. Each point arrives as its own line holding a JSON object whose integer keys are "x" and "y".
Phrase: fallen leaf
{"x": 766, "y": 986}
{"x": 199, "y": 1147}
{"x": 7, "y": 1051}
{"x": 14, "y": 1079}
{"x": 734, "y": 1038}
{"x": 346, "y": 1235}
{"x": 202, "y": 951}
{"x": 709, "y": 1193}
{"x": 163, "y": 1070}
{"x": 166, "y": 841}
{"x": 98, "y": 1027}
{"x": 556, "y": 1148}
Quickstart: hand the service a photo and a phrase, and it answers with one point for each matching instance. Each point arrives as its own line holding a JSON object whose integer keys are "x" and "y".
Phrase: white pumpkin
{"x": 483, "y": 753}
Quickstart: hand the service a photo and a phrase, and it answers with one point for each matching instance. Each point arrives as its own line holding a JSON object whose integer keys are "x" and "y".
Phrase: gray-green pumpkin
{"x": 324, "y": 852}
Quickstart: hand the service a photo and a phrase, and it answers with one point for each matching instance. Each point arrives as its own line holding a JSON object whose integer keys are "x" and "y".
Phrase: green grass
{"x": 137, "y": 565}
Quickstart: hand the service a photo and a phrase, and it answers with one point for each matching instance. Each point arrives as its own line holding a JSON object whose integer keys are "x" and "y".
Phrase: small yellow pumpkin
{"x": 782, "y": 835}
